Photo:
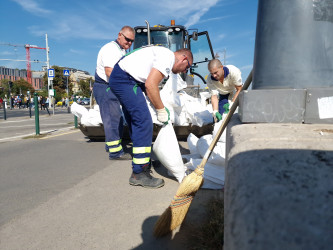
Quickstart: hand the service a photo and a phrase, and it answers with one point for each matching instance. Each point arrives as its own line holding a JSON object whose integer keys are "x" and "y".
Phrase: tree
{"x": 21, "y": 86}
{"x": 84, "y": 86}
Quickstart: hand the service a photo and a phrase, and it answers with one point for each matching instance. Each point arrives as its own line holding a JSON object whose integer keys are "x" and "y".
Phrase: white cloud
{"x": 246, "y": 67}
{"x": 32, "y": 6}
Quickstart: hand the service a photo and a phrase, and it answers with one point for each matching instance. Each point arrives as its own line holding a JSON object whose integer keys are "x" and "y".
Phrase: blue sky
{"x": 77, "y": 29}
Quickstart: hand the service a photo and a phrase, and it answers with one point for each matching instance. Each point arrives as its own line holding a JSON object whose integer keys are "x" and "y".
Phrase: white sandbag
{"x": 192, "y": 141}
{"x": 213, "y": 175}
{"x": 78, "y": 110}
{"x": 197, "y": 113}
{"x": 217, "y": 157}
{"x": 216, "y": 128}
{"x": 203, "y": 98}
{"x": 94, "y": 117}
{"x": 191, "y": 156}
{"x": 167, "y": 151}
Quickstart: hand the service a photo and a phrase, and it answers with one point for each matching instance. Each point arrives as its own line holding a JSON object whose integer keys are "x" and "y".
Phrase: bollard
{"x": 30, "y": 108}
{"x": 75, "y": 117}
{"x": 36, "y": 114}
{"x": 4, "y": 111}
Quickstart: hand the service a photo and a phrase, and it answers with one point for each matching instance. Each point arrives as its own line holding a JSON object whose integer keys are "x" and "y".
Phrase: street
{"x": 61, "y": 191}
{"x": 19, "y": 123}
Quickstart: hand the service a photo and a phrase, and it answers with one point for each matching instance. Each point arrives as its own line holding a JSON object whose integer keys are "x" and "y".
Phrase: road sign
{"x": 50, "y": 73}
{"x": 66, "y": 72}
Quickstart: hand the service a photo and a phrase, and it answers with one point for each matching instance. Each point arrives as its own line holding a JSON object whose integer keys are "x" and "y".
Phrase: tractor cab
{"x": 176, "y": 37}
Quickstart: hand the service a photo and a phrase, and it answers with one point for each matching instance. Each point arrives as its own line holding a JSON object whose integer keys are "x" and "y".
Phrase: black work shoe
{"x": 146, "y": 180}
{"x": 123, "y": 157}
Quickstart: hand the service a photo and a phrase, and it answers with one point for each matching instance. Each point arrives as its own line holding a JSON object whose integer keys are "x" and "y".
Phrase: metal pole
{"x": 47, "y": 65}
{"x": 75, "y": 117}
{"x": 36, "y": 114}
{"x": 4, "y": 110}
{"x": 30, "y": 106}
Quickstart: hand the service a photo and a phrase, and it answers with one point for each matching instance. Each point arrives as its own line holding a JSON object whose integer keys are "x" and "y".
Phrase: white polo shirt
{"x": 139, "y": 63}
{"x": 232, "y": 79}
{"x": 108, "y": 56}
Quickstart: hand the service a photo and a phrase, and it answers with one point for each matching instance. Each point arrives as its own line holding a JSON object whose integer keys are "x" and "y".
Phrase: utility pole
{"x": 48, "y": 66}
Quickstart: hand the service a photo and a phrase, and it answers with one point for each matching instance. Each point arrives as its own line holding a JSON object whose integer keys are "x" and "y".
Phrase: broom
{"x": 174, "y": 215}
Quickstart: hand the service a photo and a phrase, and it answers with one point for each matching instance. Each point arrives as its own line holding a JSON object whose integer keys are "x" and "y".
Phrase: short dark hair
{"x": 187, "y": 52}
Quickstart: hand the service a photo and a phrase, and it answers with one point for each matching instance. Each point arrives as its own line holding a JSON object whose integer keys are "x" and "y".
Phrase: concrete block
{"x": 319, "y": 106}
{"x": 278, "y": 186}
{"x": 272, "y": 105}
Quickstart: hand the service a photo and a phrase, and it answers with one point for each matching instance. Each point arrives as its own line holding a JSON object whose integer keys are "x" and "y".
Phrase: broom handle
{"x": 225, "y": 122}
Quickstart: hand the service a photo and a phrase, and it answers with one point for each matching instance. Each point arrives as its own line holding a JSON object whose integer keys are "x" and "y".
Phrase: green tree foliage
{"x": 19, "y": 87}
{"x": 84, "y": 86}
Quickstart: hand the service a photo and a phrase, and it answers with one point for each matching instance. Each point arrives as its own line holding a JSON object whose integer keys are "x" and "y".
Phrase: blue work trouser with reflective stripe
{"x": 137, "y": 115}
{"x": 223, "y": 99}
{"x": 111, "y": 114}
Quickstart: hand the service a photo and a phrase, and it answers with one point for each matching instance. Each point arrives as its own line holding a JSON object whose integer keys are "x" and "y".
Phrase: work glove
{"x": 226, "y": 108}
{"x": 217, "y": 116}
{"x": 163, "y": 115}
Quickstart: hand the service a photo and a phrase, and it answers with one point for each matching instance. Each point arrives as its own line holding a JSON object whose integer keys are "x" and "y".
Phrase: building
{"x": 17, "y": 74}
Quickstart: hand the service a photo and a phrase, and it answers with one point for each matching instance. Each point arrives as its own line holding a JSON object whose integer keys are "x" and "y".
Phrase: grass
{"x": 209, "y": 235}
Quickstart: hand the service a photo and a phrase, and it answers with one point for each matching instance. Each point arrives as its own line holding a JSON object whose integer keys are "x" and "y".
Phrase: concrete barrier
{"x": 278, "y": 186}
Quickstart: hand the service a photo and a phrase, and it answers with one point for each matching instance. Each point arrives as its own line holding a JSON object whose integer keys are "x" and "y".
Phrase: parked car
{"x": 85, "y": 101}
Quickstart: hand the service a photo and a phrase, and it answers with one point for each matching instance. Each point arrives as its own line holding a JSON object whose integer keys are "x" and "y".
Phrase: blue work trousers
{"x": 137, "y": 115}
{"x": 223, "y": 100}
{"x": 111, "y": 114}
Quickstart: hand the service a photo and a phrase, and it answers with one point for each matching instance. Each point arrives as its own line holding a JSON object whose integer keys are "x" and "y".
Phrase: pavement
{"x": 62, "y": 192}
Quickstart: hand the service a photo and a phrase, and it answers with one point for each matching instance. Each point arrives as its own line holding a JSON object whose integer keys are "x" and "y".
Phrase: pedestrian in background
{"x": 224, "y": 83}
{"x": 139, "y": 72}
{"x": 108, "y": 103}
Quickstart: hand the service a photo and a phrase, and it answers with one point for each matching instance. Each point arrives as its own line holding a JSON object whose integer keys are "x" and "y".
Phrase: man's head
{"x": 215, "y": 68}
{"x": 183, "y": 61}
{"x": 126, "y": 37}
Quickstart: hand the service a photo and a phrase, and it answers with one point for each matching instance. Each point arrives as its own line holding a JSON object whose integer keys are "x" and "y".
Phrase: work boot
{"x": 145, "y": 179}
{"x": 123, "y": 157}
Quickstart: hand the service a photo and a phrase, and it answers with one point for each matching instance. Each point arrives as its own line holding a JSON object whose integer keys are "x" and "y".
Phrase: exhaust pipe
{"x": 148, "y": 32}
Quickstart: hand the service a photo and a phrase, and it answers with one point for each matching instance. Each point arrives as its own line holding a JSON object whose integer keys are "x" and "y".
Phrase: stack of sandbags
{"x": 184, "y": 109}
{"x": 91, "y": 117}
{"x": 214, "y": 168}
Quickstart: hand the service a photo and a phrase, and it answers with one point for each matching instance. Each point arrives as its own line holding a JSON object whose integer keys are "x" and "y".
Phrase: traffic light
{"x": 10, "y": 84}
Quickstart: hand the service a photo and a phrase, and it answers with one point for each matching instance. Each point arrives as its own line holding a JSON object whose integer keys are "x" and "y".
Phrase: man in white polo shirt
{"x": 141, "y": 71}
{"x": 224, "y": 83}
{"x": 108, "y": 103}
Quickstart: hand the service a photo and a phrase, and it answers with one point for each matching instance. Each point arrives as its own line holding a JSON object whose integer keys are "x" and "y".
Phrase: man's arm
{"x": 215, "y": 102}
{"x": 152, "y": 90}
{"x": 238, "y": 89}
{"x": 108, "y": 71}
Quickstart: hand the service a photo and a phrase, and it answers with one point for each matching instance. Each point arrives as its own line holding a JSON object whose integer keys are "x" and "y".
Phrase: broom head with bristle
{"x": 174, "y": 215}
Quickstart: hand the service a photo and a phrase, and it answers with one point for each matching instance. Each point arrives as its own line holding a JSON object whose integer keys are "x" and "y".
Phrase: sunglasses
{"x": 188, "y": 63}
{"x": 127, "y": 39}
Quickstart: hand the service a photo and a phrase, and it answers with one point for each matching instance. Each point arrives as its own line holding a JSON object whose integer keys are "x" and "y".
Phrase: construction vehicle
{"x": 174, "y": 37}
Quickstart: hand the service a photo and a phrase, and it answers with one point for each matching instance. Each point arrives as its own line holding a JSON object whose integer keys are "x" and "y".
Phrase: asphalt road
{"x": 61, "y": 191}
{"x": 19, "y": 123}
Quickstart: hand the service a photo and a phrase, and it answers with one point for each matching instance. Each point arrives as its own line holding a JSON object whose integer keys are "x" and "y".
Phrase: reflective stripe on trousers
{"x": 111, "y": 115}
{"x": 114, "y": 146}
{"x": 137, "y": 115}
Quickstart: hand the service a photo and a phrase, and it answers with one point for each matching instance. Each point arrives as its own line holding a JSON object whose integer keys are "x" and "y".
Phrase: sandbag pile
{"x": 184, "y": 109}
